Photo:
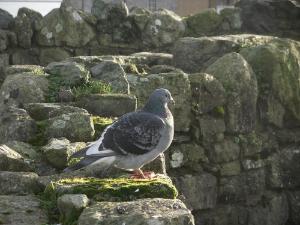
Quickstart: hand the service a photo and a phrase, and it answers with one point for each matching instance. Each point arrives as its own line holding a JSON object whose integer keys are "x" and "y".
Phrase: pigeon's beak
{"x": 172, "y": 101}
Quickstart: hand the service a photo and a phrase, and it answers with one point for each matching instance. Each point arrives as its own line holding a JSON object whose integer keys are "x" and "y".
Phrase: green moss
{"x": 73, "y": 161}
{"x": 218, "y": 111}
{"x": 39, "y": 139}
{"x": 100, "y": 123}
{"x": 55, "y": 83}
{"x": 119, "y": 189}
{"x": 48, "y": 202}
{"x": 92, "y": 87}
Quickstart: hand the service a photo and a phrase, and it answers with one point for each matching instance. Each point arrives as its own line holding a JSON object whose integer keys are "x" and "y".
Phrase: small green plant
{"x": 92, "y": 87}
{"x": 100, "y": 123}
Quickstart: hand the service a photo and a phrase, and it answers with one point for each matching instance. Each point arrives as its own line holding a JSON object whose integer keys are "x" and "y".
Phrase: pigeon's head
{"x": 162, "y": 95}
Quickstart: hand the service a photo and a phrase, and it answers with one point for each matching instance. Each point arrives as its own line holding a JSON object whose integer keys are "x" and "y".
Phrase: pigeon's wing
{"x": 134, "y": 133}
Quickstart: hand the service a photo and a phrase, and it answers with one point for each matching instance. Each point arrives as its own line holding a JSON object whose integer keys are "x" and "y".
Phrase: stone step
{"x": 143, "y": 211}
{"x": 21, "y": 210}
{"x": 19, "y": 183}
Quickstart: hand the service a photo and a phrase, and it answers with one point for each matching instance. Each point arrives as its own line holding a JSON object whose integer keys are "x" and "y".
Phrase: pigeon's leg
{"x": 139, "y": 174}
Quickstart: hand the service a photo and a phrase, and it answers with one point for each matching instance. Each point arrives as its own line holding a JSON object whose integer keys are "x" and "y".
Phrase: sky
{"x": 43, "y": 8}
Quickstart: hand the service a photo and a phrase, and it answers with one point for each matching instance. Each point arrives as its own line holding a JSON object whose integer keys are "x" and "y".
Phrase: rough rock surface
{"x": 73, "y": 126}
{"x": 71, "y": 205}
{"x": 19, "y": 183}
{"x": 239, "y": 82}
{"x": 58, "y": 151}
{"x": 200, "y": 192}
{"x": 21, "y": 210}
{"x": 147, "y": 211}
{"x": 11, "y": 160}
{"x": 70, "y": 73}
{"x": 16, "y": 124}
{"x": 108, "y": 104}
{"x": 25, "y": 24}
{"x": 64, "y": 26}
{"x": 113, "y": 74}
{"x": 22, "y": 88}
{"x": 6, "y": 19}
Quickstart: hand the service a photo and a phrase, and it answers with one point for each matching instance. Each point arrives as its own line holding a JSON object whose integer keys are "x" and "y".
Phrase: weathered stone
{"x": 200, "y": 191}
{"x": 104, "y": 10}
{"x": 231, "y": 20}
{"x": 211, "y": 129}
{"x": 162, "y": 28}
{"x": 153, "y": 58}
{"x": 71, "y": 205}
{"x": 273, "y": 212}
{"x": 70, "y": 73}
{"x": 113, "y": 74}
{"x": 204, "y": 23}
{"x": 277, "y": 69}
{"x": 283, "y": 168}
{"x": 249, "y": 164}
{"x": 73, "y": 126}
{"x": 240, "y": 86}
{"x": 4, "y": 40}
{"x": 24, "y": 149}
{"x": 13, "y": 69}
{"x": 248, "y": 187}
{"x": 6, "y": 19}
{"x": 64, "y": 26}
{"x": 252, "y": 144}
{"x": 179, "y": 86}
{"x": 4, "y": 62}
{"x": 294, "y": 206}
{"x": 19, "y": 183}
{"x": 230, "y": 169}
{"x": 144, "y": 211}
{"x": 225, "y": 151}
{"x": 108, "y": 104}
{"x": 11, "y": 160}
{"x": 58, "y": 151}
{"x": 277, "y": 18}
{"x": 26, "y": 56}
{"x": 194, "y": 55}
{"x": 21, "y": 210}
{"x": 221, "y": 215}
{"x": 25, "y": 23}
{"x": 49, "y": 55}
{"x": 156, "y": 69}
{"x": 22, "y": 88}
{"x": 187, "y": 155}
{"x": 16, "y": 124}
{"x": 43, "y": 111}
{"x": 207, "y": 93}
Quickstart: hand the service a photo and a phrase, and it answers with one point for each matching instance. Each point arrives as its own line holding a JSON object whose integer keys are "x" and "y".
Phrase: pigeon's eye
{"x": 167, "y": 96}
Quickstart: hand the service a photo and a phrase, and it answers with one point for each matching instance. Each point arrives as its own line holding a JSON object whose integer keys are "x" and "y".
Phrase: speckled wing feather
{"x": 134, "y": 133}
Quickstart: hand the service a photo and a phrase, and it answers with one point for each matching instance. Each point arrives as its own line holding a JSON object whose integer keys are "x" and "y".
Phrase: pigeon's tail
{"x": 79, "y": 154}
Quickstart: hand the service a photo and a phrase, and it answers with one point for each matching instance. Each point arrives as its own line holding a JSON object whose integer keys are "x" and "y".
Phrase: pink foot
{"x": 139, "y": 174}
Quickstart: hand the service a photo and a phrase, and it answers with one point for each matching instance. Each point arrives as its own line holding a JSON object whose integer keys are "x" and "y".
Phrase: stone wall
{"x": 235, "y": 155}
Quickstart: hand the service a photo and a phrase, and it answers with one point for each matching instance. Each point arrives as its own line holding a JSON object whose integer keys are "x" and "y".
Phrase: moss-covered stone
{"x": 119, "y": 189}
{"x": 203, "y": 23}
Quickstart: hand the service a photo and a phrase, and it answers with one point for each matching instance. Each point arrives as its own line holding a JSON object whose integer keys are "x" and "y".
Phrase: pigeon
{"x": 135, "y": 139}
